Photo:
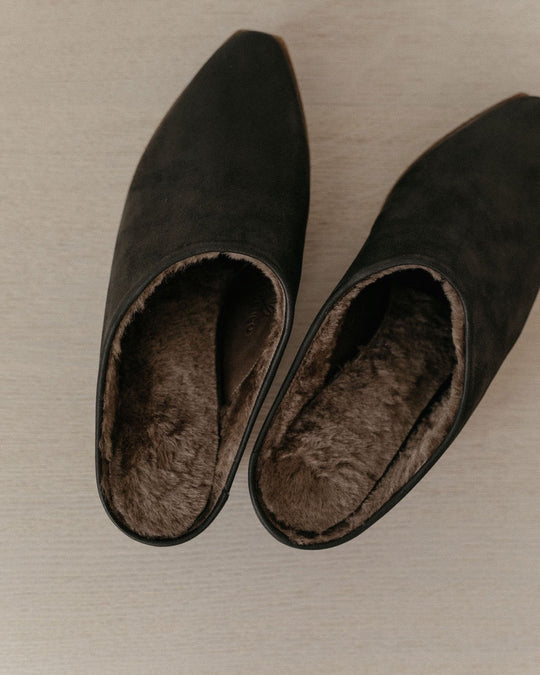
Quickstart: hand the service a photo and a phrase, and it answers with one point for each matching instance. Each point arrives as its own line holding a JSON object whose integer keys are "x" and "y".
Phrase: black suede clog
{"x": 406, "y": 345}
{"x": 202, "y": 291}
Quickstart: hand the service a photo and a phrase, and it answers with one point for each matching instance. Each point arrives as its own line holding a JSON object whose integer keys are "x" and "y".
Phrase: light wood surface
{"x": 449, "y": 581}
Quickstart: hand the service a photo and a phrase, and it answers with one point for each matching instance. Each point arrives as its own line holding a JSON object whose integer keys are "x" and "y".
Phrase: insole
{"x": 166, "y": 437}
{"x": 341, "y": 443}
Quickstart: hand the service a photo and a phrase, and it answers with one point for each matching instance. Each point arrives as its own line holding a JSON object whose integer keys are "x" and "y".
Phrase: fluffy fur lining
{"x": 374, "y": 396}
{"x": 185, "y": 367}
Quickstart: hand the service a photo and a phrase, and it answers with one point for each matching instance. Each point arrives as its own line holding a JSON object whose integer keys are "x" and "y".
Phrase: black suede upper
{"x": 469, "y": 209}
{"x": 226, "y": 171}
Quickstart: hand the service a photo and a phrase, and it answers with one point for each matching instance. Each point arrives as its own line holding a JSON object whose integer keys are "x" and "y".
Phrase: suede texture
{"x": 227, "y": 169}
{"x": 467, "y": 213}
{"x": 191, "y": 339}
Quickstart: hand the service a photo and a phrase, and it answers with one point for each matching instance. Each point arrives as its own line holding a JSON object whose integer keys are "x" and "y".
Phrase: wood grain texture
{"x": 449, "y": 581}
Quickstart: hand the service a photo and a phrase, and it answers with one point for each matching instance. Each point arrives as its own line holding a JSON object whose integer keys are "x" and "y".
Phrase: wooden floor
{"x": 449, "y": 581}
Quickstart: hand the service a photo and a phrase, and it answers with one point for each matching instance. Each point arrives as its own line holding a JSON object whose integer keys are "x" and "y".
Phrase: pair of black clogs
{"x": 201, "y": 298}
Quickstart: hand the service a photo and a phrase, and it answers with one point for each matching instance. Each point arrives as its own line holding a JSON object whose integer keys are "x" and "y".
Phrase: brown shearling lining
{"x": 185, "y": 367}
{"x": 375, "y": 394}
